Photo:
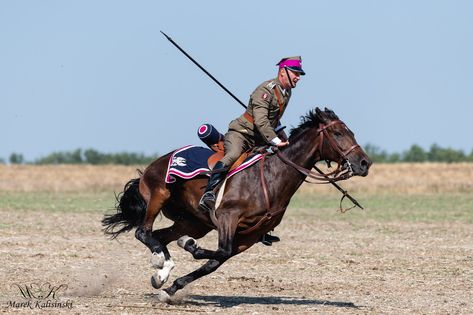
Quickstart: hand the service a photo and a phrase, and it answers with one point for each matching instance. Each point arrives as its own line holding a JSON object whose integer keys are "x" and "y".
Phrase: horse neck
{"x": 301, "y": 151}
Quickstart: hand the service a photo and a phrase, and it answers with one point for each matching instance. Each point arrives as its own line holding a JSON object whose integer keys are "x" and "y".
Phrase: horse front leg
{"x": 226, "y": 233}
{"x": 190, "y": 244}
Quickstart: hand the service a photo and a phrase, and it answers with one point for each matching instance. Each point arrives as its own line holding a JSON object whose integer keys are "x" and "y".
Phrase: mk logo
{"x": 40, "y": 292}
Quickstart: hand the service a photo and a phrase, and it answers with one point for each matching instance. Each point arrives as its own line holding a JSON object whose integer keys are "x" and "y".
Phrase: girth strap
{"x": 264, "y": 184}
{"x": 269, "y": 214}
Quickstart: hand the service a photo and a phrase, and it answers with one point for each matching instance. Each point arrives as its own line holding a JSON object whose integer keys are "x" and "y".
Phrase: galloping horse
{"x": 253, "y": 203}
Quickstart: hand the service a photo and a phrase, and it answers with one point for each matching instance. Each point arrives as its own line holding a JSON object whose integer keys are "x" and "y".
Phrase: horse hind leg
{"x": 160, "y": 257}
{"x": 161, "y": 276}
{"x": 167, "y": 235}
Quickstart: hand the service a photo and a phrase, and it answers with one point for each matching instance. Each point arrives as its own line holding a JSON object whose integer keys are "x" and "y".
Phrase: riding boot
{"x": 207, "y": 202}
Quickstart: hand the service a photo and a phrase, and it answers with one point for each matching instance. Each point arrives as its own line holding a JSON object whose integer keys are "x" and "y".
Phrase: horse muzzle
{"x": 357, "y": 164}
{"x": 360, "y": 167}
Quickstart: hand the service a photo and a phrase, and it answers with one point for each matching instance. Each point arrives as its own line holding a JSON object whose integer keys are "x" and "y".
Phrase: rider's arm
{"x": 261, "y": 100}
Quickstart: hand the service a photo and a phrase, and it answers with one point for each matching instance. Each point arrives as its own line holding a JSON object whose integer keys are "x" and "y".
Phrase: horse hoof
{"x": 182, "y": 241}
{"x": 156, "y": 281}
{"x": 164, "y": 297}
{"x": 157, "y": 260}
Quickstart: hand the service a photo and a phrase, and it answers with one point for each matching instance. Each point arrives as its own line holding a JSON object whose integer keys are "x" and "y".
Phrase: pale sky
{"x": 99, "y": 74}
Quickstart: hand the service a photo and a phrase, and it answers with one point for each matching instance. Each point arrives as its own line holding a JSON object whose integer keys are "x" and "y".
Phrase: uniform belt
{"x": 248, "y": 117}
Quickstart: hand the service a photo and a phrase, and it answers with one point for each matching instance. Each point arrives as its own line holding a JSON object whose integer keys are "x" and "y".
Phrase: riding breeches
{"x": 235, "y": 144}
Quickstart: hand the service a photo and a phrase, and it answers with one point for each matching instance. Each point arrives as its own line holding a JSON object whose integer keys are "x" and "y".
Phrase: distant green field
{"x": 61, "y": 201}
{"x": 418, "y": 208}
{"x": 399, "y": 207}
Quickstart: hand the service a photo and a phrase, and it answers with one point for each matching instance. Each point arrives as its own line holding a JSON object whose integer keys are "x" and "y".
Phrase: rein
{"x": 322, "y": 177}
{"x": 325, "y": 178}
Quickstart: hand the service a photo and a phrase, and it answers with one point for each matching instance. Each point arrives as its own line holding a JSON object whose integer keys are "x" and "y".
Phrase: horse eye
{"x": 338, "y": 134}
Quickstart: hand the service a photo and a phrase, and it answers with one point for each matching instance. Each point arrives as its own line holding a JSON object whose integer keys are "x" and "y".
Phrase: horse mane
{"x": 312, "y": 120}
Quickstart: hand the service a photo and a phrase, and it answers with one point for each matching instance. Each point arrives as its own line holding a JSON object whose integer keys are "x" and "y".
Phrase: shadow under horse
{"x": 253, "y": 203}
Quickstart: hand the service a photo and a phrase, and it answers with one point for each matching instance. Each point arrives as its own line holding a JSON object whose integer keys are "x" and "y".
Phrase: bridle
{"x": 344, "y": 169}
{"x": 339, "y": 174}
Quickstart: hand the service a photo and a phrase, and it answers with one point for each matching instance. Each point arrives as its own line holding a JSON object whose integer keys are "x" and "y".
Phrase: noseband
{"x": 339, "y": 173}
{"x": 334, "y": 145}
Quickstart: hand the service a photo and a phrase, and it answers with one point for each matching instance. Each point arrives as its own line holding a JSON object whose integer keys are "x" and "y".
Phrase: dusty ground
{"x": 327, "y": 263}
{"x": 319, "y": 267}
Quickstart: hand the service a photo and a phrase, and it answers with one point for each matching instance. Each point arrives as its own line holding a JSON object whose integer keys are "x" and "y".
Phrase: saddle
{"x": 220, "y": 152}
{"x": 217, "y": 156}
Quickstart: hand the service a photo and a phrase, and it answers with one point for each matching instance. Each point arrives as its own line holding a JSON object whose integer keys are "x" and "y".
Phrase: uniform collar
{"x": 279, "y": 85}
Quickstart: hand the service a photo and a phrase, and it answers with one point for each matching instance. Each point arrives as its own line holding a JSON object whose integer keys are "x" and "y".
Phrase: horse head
{"x": 337, "y": 143}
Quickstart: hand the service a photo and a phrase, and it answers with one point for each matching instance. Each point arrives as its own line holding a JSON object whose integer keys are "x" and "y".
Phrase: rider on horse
{"x": 259, "y": 125}
{"x": 214, "y": 140}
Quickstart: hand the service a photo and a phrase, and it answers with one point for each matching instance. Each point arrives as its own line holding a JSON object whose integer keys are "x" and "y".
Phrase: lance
{"x": 344, "y": 192}
{"x": 203, "y": 69}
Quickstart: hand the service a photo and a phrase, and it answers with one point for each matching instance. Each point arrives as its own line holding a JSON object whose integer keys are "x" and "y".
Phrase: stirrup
{"x": 268, "y": 239}
{"x": 207, "y": 202}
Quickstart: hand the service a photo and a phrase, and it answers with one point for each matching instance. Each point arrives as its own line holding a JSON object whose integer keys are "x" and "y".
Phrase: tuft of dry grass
{"x": 406, "y": 178}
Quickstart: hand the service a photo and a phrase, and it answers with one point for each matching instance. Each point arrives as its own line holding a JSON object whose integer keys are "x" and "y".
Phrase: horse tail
{"x": 131, "y": 210}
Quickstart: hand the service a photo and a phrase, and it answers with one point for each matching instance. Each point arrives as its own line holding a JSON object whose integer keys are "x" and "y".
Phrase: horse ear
{"x": 330, "y": 113}
{"x": 320, "y": 114}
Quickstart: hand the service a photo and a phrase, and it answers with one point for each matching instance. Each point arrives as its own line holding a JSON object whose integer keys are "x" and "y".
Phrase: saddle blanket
{"x": 191, "y": 160}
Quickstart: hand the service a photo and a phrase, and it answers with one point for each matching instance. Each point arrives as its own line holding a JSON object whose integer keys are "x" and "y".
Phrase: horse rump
{"x": 131, "y": 210}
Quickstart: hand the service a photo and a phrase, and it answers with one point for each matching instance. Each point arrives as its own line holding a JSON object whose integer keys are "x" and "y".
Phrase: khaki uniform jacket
{"x": 264, "y": 106}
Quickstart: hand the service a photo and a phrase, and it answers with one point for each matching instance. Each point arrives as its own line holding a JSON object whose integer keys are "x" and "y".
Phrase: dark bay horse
{"x": 253, "y": 203}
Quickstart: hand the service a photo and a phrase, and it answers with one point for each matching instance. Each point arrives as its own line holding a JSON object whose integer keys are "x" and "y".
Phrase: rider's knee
{"x": 230, "y": 158}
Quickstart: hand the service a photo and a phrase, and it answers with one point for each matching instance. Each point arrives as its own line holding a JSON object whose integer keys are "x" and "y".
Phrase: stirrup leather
{"x": 207, "y": 202}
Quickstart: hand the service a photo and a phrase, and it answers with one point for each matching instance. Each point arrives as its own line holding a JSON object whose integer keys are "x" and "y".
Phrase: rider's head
{"x": 210, "y": 136}
{"x": 290, "y": 71}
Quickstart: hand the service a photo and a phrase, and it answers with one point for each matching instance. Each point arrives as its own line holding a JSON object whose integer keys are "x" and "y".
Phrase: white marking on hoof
{"x": 181, "y": 242}
{"x": 156, "y": 282}
{"x": 161, "y": 276}
{"x": 164, "y": 297}
{"x": 166, "y": 271}
{"x": 157, "y": 260}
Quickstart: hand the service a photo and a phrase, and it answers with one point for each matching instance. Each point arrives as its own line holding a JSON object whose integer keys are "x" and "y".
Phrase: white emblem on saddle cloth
{"x": 178, "y": 161}
{"x": 195, "y": 163}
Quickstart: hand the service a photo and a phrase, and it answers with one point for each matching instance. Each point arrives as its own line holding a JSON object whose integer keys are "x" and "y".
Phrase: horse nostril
{"x": 364, "y": 163}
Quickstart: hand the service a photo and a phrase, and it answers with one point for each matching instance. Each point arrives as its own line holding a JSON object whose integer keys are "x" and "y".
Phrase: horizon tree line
{"x": 415, "y": 154}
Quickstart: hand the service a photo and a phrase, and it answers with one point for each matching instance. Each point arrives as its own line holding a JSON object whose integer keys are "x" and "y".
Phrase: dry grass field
{"x": 409, "y": 252}
{"x": 383, "y": 178}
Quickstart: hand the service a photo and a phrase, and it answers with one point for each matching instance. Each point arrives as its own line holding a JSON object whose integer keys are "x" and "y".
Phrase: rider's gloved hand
{"x": 282, "y": 144}
{"x": 280, "y": 132}
{"x": 279, "y": 143}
